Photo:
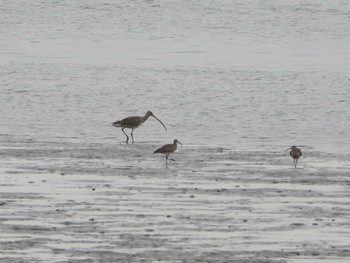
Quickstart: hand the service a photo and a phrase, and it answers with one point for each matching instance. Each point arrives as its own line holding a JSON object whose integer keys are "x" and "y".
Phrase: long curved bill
{"x": 288, "y": 149}
{"x": 160, "y": 122}
{"x": 179, "y": 142}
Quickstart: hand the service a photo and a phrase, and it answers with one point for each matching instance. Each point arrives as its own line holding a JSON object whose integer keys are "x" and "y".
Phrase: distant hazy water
{"x": 246, "y": 74}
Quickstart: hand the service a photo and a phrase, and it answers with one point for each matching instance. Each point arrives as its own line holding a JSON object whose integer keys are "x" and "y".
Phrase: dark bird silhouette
{"x": 134, "y": 122}
{"x": 295, "y": 153}
{"x": 168, "y": 149}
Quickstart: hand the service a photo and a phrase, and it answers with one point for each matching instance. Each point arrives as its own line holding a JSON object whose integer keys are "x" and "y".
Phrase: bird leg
{"x": 166, "y": 159}
{"x": 132, "y": 137}
{"x": 127, "y": 137}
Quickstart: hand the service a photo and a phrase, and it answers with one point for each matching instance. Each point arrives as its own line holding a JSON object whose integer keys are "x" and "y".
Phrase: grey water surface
{"x": 237, "y": 82}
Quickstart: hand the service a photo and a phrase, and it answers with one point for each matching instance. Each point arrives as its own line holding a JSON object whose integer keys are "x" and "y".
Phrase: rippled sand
{"x": 86, "y": 202}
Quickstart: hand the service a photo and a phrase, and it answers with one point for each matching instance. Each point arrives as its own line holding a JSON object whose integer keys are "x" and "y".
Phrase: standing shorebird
{"x": 133, "y": 122}
{"x": 168, "y": 149}
{"x": 295, "y": 153}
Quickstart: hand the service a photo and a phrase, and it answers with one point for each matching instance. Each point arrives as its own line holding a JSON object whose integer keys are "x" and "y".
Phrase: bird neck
{"x": 144, "y": 118}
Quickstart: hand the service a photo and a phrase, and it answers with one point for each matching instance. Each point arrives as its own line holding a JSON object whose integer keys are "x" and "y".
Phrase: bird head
{"x": 149, "y": 113}
{"x": 176, "y": 141}
{"x": 293, "y": 147}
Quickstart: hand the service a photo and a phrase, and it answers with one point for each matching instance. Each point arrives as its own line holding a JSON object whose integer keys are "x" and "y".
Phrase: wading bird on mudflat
{"x": 168, "y": 149}
{"x": 134, "y": 122}
{"x": 295, "y": 152}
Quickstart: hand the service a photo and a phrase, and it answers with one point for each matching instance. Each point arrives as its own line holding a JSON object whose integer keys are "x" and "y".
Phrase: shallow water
{"x": 236, "y": 83}
{"x": 246, "y": 75}
{"x": 100, "y": 202}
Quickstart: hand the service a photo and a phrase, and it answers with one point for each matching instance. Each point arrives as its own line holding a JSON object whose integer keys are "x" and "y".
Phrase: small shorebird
{"x": 168, "y": 149}
{"x": 133, "y": 122}
{"x": 295, "y": 153}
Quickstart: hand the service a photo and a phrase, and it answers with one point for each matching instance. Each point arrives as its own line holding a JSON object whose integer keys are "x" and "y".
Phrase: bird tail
{"x": 117, "y": 124}
{"x": 156, "y": 151}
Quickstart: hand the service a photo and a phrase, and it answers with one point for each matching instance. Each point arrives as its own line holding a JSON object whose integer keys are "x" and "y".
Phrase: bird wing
{"x": 131, "y": 122}
{"x": 167, "y": 148}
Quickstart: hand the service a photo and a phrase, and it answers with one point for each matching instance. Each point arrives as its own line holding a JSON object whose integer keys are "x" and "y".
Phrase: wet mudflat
{"x": 103, "y": 202}
{"x": 237, "y": 82}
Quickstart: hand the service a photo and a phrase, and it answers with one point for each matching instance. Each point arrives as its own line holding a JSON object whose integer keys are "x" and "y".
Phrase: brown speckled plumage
{"x": 167, "y": 149}
{"x": 134, "y": 122}
{"x": 295, "y": 152}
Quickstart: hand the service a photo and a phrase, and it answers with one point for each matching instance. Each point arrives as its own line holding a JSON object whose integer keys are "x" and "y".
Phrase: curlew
{"x": 133, "y": 122}
{"x": 168, "y": 149}
{"x": 295, "y": 153}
